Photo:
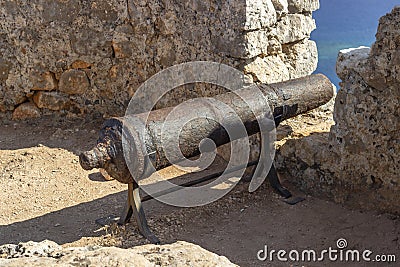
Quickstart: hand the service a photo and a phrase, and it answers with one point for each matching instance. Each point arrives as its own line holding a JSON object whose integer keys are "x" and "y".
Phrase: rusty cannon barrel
{"x": 142, "y": 132}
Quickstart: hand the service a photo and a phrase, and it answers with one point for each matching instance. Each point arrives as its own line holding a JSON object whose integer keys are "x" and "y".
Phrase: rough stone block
{"x": 294, "y": 27}
{"x": 26, "y": 111}
{"x": 269, "y": 69}
{"x": 257, "y": 43}
{"x": 80, "y": 64}
{"x": 43, "y": 82}
{"x": 281, "y": 7}
{"x": 51, "y": 100}
{"x": 74, "y": 82}
{"x": 301, "y": 6}
{"x": 300, "y": 58}
{"x": 259, "y": 14}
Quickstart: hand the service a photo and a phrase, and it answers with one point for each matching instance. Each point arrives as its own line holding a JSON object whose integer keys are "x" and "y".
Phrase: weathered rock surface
{"x": 294, "y": 27}
{"x": 299, "y": 6}
{"x": 358, "y": 161}
{"x": 45, "y": 248}
{"x": 281, "y": 7}
{"x": 51, "y": 100}
{"x": 25, "y": 111}
{"x": 73, "y": 81}
{"x": 43, "y": 81}
{"x": 96, "y": 54}
{"x": 48, "y": 253}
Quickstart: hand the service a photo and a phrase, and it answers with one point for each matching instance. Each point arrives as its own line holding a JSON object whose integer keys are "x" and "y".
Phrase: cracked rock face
{"x": 359, "y": 160}
{"x": 45, "y": 248}
{"x": 91, "y": 56}
{"x": 367, "y": 111}
{"x": 48, "y": 253}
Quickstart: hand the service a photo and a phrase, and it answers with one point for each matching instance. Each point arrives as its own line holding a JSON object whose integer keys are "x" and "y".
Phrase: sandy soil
{"x": 46, "y": 195}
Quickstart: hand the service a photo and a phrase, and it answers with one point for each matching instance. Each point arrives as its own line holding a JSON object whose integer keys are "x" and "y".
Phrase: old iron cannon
{"x": 285, "y": 100}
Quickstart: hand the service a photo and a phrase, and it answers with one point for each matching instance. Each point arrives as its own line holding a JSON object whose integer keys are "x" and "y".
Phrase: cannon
{"x": 142, "y": 135}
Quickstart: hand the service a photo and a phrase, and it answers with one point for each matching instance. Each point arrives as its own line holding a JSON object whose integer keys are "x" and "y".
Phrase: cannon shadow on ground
{"x": 72, "y": 223}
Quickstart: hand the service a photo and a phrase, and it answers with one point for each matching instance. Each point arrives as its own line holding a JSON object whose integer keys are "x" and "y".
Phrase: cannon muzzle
{"x": 89, "y": 159}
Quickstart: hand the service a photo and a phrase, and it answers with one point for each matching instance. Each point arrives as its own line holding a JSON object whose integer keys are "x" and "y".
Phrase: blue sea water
{"x": 344, "y": 24}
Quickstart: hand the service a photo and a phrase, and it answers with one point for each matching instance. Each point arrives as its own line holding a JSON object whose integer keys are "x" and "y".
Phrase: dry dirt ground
{"x": 46, "y": 195}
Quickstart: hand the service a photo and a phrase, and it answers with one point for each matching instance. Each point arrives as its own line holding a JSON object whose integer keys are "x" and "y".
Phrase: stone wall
{"x": 359, "y": 160}
{"x": 89, "y": 57}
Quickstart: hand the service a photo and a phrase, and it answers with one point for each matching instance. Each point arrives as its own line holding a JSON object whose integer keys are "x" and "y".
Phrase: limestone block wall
{"x": 89, "y": 57}
{"x": 359, "y": 160}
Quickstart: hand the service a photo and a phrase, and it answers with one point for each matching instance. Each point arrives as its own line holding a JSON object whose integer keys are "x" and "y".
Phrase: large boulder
{"x": 48, "y": 253}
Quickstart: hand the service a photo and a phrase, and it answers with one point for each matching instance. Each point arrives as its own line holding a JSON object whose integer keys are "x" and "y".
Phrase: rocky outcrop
{"x": 90, "y": 57}
{"x": 358, "y": 161}
{"x": 48, "y": 253}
